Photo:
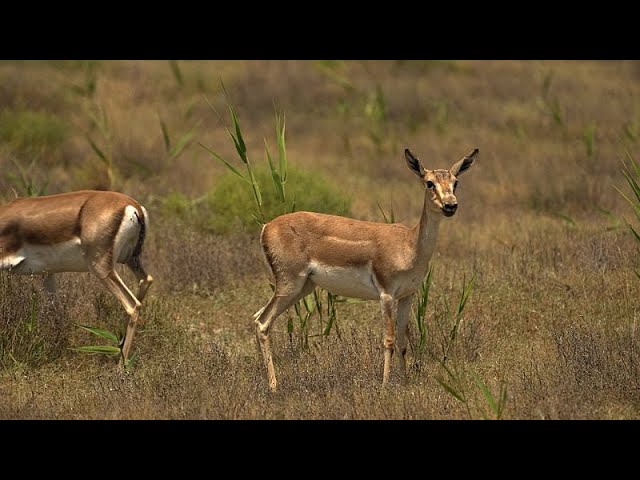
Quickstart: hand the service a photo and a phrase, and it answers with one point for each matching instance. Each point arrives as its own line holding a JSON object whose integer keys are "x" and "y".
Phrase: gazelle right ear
{"x": 414, "y": 164}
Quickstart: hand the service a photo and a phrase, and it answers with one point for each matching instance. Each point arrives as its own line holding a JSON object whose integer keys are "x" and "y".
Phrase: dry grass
{"x": 554, "y": 309}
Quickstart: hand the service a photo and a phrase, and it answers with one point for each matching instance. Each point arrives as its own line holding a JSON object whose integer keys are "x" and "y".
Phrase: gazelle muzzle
{"x": 449, "y": 208}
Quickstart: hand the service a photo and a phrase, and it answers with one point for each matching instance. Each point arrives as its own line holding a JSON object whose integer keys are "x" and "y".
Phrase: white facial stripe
{"x": 443, "y": 188}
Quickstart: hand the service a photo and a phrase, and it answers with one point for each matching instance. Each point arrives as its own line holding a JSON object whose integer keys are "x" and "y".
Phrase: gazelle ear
{"x": 414, "y": 163}
{"x": 464, "y": 164}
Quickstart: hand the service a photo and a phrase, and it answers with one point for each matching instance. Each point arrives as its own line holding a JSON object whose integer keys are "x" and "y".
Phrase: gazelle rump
{"x": 358, "y": 259}
{"x": 83, "y": 231}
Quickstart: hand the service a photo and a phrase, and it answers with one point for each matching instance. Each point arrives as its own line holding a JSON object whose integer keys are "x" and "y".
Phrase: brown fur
{"x": 62, "y": 222}
{"x": 355, "y": 257}
{"x": 295, "y": 239}
{"x": 94, "y": 217}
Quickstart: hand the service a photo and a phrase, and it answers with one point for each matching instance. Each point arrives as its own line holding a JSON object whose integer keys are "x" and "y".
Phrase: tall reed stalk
{"x": 278, "y": 167}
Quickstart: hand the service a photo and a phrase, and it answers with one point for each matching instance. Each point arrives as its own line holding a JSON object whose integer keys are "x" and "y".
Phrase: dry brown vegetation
{"x": 551, "y": 317}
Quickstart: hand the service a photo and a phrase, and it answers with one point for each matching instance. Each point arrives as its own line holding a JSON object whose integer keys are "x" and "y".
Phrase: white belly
{"x": 10, "y": 261}
{"x": 352, "y": 282}
{"x": 62, "y": 257}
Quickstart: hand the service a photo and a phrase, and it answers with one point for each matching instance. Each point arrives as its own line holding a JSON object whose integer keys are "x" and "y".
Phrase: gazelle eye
{"x": 455, "y": 185}
{"x": 430, "y": 184}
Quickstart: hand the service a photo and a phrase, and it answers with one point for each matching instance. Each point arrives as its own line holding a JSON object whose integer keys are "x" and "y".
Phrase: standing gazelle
{"x": 78, "y": 232}
{"x": 358, "y": 259}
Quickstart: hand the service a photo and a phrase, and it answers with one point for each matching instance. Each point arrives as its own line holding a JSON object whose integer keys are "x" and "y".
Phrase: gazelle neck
{"x": 427, "y": 231}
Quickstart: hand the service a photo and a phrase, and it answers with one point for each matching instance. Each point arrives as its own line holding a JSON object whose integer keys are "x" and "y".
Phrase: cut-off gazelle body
{"x": 357, "y": 259}
{"x": 84, "y": 231}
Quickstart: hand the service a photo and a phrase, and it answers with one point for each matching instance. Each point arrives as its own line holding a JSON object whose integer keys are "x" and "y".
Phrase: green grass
{"x": 32, "y": 133}
{"x": 631, "y": 171}
{"x": 228, "y": 207}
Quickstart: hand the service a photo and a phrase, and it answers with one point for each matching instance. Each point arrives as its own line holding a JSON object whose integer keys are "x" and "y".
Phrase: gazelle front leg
{"x": 50, "y": 284}
{"x": 404, "y": 308}
{"x": 389, "y": 306}
{"x": 51, "y": 287}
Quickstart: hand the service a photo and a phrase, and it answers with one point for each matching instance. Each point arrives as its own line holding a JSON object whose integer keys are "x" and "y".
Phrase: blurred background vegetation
{"x": 541, "y": 226}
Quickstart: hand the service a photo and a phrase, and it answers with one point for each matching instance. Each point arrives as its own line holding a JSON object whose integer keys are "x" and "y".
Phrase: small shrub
{"x": 176, "y": 204}
{"x": 31, "y": 133}
{"x": 228, "y": 204}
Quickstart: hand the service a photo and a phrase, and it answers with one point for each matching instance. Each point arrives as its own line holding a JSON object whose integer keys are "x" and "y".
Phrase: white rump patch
{"x": 127, "y": 236}
{"x": 352, "y": 282}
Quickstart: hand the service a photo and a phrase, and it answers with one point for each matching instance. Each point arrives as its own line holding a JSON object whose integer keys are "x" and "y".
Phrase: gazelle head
{"x": 440, "y": 185}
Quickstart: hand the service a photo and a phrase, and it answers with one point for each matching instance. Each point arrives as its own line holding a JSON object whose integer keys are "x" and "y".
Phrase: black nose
{"x": 450, "y": 207}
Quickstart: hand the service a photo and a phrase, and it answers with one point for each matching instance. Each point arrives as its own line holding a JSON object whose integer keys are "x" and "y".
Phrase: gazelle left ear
{"x": 414, "y": 164}
{"x": 464, "y": 164}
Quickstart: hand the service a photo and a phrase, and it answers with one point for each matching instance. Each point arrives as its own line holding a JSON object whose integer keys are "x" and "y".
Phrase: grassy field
{"x": 548, "y": 330}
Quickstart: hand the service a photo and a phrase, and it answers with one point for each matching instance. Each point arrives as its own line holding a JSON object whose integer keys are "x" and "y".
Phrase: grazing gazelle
{"x": 357, "y": 259}
{"x": 84, "y": 231}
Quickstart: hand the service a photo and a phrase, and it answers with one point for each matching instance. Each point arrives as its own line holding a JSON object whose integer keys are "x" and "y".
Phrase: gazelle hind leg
{"x": 265, "y": 317}
{"x": 144, "y": 279}
{"x": 131, "y": 304}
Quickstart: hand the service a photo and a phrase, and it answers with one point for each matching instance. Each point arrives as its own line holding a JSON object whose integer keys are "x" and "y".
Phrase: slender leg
{"x": 264, "y": 318}
{"x": 130, "y": 303}
{"x": 51, "y": 288}
{"x": 144, "y": 280}
{"x": 50, "y": 284}
{"x": 389, "y": 307}
{"x": 404, "y": 308}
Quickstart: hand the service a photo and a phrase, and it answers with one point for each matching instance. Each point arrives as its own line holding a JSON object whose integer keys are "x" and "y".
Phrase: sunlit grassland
{"x": 541, "y": 228}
